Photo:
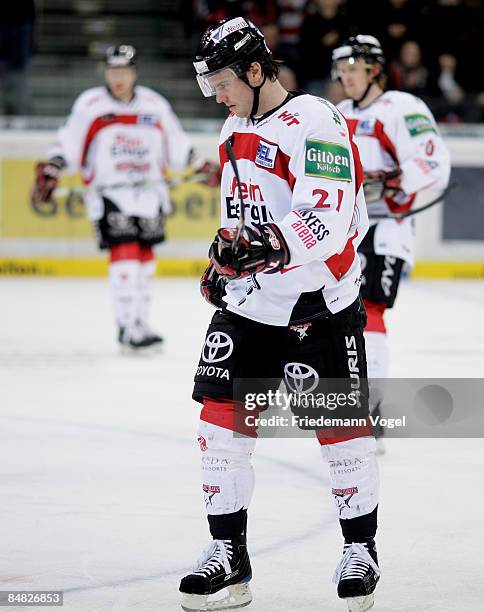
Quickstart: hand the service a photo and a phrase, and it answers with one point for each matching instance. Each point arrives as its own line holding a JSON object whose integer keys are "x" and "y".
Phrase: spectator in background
{"x": 321, "y": 31}
{"x": 291, "y": 17}
{"x": 392, "y": 21}
{"x": 398, "y": 20}
{"x": 452, "y": 105}
{"x": 408, "y": 73}
{"x": 16, "y": 29}
{"x": 452, "y": 50}
{"x": 448, "y": 85}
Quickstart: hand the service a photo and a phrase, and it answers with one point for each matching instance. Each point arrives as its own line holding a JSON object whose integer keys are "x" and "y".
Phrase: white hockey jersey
{"x": 298, "y": 168}
{"x": 115, "y": 143}
{"x": 398, "y": 130}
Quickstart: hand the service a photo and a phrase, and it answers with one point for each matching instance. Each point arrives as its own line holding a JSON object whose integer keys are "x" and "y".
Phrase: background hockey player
{"x": 294, "y": 269}
{"x": 123, "y": 137}
{"x": 402, "y": 154}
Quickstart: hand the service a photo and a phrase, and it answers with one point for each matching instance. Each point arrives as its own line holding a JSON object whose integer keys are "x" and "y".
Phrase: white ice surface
{"x": 99, "y": 479}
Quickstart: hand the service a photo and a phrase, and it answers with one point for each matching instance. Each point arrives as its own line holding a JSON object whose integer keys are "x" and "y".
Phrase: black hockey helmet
{"x": 120, "y": 56}
{"x": 360, "y": 46}
{"x": 232, "y": 43}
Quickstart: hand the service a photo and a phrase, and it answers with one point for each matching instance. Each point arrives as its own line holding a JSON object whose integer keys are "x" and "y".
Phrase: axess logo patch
{"x": 266, "y": 154}
{"x": 327, "y": 160}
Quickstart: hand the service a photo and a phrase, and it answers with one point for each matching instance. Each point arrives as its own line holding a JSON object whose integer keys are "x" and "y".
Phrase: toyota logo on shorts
{"x": 300, "y": 377}
{"x": 218, "y": 346}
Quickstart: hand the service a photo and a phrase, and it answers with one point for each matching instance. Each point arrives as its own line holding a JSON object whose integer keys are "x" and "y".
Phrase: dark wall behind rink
{"x": 463, "y": 214}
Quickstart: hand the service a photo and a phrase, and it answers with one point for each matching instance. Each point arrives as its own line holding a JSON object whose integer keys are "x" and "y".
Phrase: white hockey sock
{"x": 377, "y": 357}
{"x": 147, "y": 274}
{"x": 227, "y": 473}
{"x": 354, "y": 476}
{"x": 124, "y": 281}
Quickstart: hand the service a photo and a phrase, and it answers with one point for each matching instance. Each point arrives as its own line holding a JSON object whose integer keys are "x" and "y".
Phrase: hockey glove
{"x": 46, "y": 180}
{"x": 260, "y": 248}
{"x": 212, "y": 287}
{"x": 209, "y": 173}
{"x": 381, "y": 184}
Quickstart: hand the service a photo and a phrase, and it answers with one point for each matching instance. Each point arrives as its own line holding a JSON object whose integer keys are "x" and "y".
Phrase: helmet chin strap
{"x": 255, "y": 100}
{"x": 357, "y": 102}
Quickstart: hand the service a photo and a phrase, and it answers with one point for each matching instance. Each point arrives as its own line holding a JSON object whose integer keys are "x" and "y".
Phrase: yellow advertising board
{"x": 195, "y": 217}
{"x": 196, "y": 208}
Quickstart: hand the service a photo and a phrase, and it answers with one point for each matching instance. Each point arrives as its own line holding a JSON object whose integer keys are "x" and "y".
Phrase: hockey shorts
{"x": 237, "y": 348}
{"x": 380, "y": 273}
{"x": 115, "y": 227}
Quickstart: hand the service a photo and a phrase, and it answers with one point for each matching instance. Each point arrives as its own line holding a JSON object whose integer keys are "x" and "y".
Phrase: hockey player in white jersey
{"x": 123, "y": 138}
{"x": 402, "y": 154}
{"x": 287, "y": 293}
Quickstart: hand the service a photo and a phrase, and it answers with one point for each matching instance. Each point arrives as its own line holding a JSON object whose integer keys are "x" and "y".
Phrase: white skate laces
{"x": 354, "y": 563}
{"x": 215, "y": 556}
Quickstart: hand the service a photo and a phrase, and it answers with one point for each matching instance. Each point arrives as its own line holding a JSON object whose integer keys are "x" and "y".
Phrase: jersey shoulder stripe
{"x": 100, "y": 123}
{"x": 263, "y": 153}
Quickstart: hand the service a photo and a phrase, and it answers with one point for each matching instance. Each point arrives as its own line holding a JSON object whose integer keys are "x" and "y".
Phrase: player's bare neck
{"x": 374, "y": 92}
{"x": 272, "y": 95}
{"x": 125, "y": 98}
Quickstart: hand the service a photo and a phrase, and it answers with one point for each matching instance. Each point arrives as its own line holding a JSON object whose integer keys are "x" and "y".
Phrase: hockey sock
{"x": 353, "y": 475}
{"x": 147, "y": 274}
{"x": 124, "y": 271}
{"x": 228, "y": 526}
{"x": 360, "y": 528}
{"x": 227, "y": 473}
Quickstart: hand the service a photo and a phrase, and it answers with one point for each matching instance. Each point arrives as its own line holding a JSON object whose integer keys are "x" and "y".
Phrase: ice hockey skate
{"x": 357, "y": 575}
{"x": 151, "y": 335}
{"x": 134, "y": 340}
{"x": 224, "y": 564}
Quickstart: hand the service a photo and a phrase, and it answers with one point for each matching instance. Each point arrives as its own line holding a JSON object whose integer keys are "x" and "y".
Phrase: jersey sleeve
{"x": 422, "y": 154}
{"x": 327, "y": 195}
{"x": 179, "y": 145}
{"x": 71, "y": 136}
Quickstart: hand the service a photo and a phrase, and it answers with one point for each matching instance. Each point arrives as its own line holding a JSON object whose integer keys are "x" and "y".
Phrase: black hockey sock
{"x": 361, "y": 528}
{"x": 228, "y": 526}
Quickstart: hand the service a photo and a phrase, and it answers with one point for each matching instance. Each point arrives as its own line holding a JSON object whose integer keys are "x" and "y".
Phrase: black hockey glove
{"x": 381, "y": 184}
{"x": 261, "y": 248}
{"x": 46, "y": 180}
{"x": 212, "y": 287}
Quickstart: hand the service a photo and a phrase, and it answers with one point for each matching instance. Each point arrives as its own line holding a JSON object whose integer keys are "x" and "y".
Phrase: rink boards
{"x": 58, "y": 241}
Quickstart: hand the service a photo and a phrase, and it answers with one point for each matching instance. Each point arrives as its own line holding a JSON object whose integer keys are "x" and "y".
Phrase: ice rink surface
{"x": 100, "y": 493}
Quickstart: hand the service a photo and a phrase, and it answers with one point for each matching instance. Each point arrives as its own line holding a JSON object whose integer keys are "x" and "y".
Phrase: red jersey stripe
{"x": 339, "y": 264}
{"x": 105, "y": 121}
{"x": 245, "y": 146}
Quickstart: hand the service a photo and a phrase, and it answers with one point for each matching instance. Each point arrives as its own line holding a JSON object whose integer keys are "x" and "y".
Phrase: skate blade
{"x": 145, "y": 351}
{"x": 360, "y": 604}
{"x": 239, "y": 596}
